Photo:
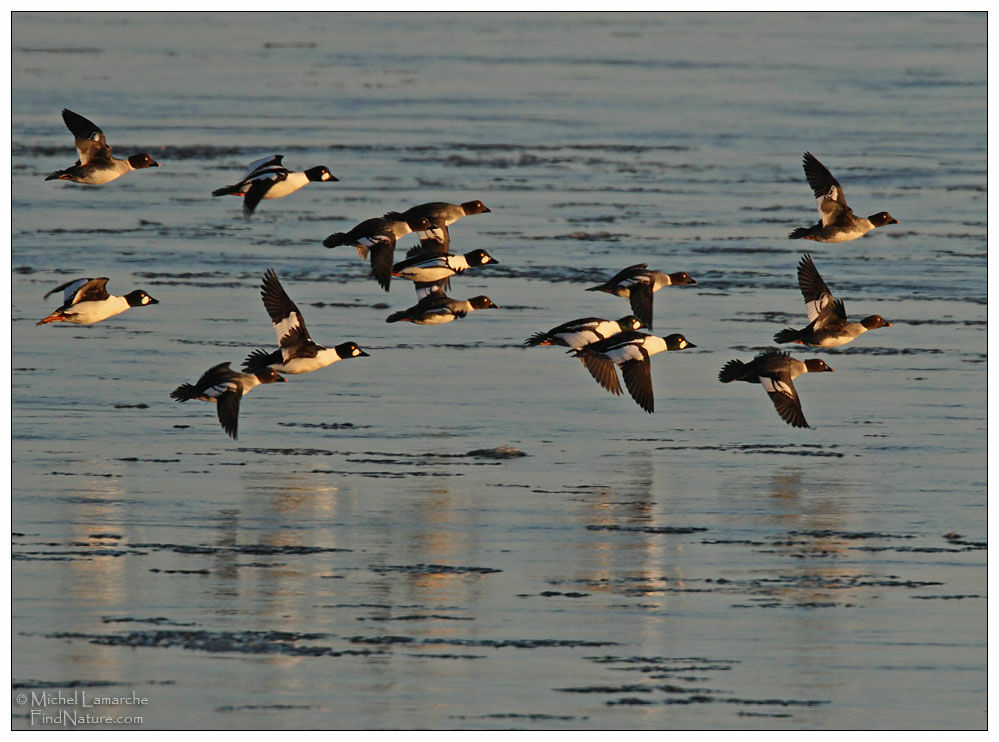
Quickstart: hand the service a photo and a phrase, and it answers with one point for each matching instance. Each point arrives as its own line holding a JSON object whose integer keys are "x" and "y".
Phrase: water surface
{"x": 373, "y": 552}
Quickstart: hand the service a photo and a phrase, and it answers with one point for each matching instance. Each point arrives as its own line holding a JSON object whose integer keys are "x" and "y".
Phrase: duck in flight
{"x": 775, "y": 370}
{"x": 86, "y": 301}
{"x": 828, "y": 326}
{"x": 96, "y": 165}
{"x": 297, "y": 353}
{"x": 268, "y": 178}
{"x": 630, "y": 351}
{"x": 637, "y": 284}
{"x": 225, "y": 387}
{"x": 837, "y": 222}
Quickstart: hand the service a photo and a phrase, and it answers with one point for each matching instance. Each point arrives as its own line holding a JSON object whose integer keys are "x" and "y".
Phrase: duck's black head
{"x": 139, "y": 298}
{"x": 882, "y": 218}
{"x": 142, "y": 160}
{"x": 816, "y": 365}
{"x": 320, "y": 173}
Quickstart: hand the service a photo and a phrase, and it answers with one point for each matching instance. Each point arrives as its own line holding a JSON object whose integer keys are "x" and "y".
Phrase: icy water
{"x": 457, "y": 532}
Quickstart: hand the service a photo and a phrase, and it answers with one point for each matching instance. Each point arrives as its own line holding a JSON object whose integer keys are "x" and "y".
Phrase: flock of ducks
{"x": 603, "y": 346}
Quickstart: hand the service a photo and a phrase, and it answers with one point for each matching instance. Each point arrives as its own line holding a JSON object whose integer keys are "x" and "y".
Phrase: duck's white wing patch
{"x": 605, "y": 329}
{"x": 425, "y": 290}
{"x": 815, "y": 307}
{"x": 579, "y": 338}
{"x": 638, "y": 280}
{"x": 289, "y": 327}
{"x": 69, "y": 293}
{"x": 780, "y": 386}
{"x": 281, "y": 309}
{"x": 435, "y": 239}
{"x": 785, "y": 400}
{"x": 627, "y": 352}
{"x": 376, "y": 240}
{"x": 262, "y": 164}
{"x": 830, "y": 209}
{"x": 221, "y": 388}
{"x": 87, "y": 149}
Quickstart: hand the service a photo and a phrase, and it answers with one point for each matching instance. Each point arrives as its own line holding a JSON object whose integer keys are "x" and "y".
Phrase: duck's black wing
{"x": 256, "y": 192}
{"x": 81, "y": 289}
{"x": 289, "y": 325}
{"x": 829, "y": 195}
{"x": 228, "y": 409}
{"x": 782, "y": 393}
{"x": 638, "y": 378}
{"x": 600, "y": 367}
{"x": 818, "y": 297}
{"x": 640, "y": 297}
{"x": 88, "y": 137}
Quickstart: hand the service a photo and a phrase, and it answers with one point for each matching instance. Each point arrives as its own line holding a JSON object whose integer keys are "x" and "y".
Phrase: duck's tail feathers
{"x": 56, "y": 316}
{"x": 227, "y": 191}
{"x": 337, "y": 238}
{"x": 538, "y": 338}
{"x": 798, "y": 234}
{"x": 184, "y": 392}
{"x": 731, "y": 371}
{"x": 787, "y": 335}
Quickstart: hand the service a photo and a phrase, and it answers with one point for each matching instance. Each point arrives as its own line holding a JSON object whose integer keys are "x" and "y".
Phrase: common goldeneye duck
{"x": 436, "y": 308}
{"x": 637, "y": 284}
{"x": 226, "y": 387}
{"x": 827, "y": 315}
{"x": 86, "y": 301}
{"x": 837, "y": 222}
{"x": 297, "y": 354}
{"x": 95, "y": 165}
{"x": 378, "y": 238}
{"x": 775, "y": 369}
{"x": 579, "y": 332}
{"x": 431, "y": 221}
{"x": 630, "y": 350}
{"x": 429, "y": 268}
{"x": 268, "y": 178}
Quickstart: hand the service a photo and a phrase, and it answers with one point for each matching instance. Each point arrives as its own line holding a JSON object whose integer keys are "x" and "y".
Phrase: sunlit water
{"x": 365, "y": 555}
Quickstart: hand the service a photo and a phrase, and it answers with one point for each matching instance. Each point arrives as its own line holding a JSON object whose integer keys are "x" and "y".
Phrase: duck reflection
{"x": 629, "y": 548}
{"x": 812, "y": 536}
